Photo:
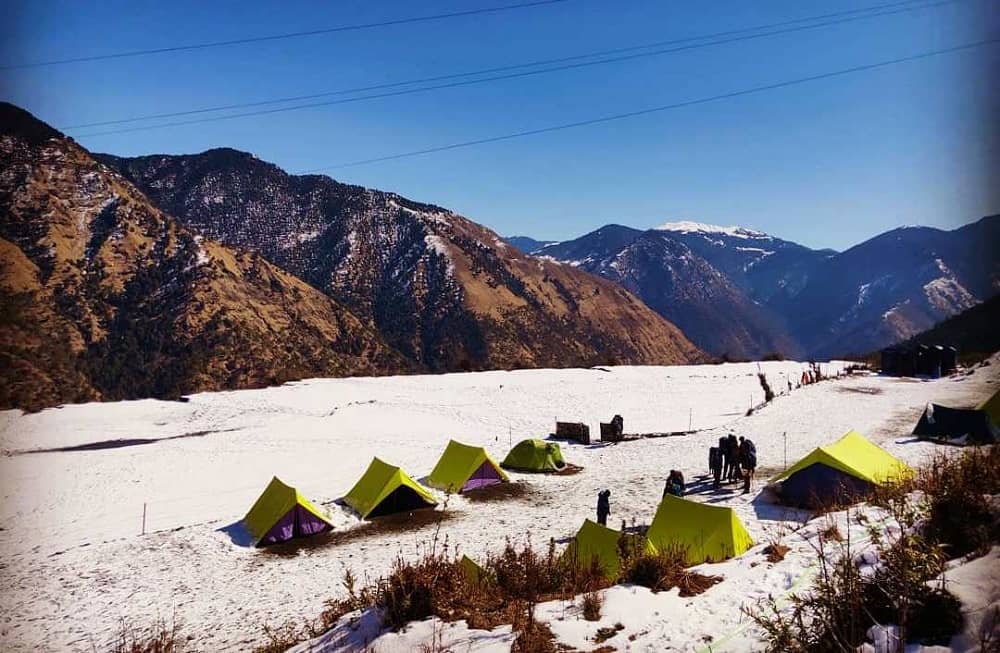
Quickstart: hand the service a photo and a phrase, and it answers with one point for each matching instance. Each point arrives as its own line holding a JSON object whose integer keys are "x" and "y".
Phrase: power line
{"x": 288, "y": 35}
{"x": 486, "y": 71}
{"x": 515, "y": 75}
{"x": 666, "y": 107}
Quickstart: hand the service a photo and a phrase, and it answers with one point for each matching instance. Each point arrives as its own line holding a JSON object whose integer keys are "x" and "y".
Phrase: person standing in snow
{"x": 603, "y": 507}
{"x": 733, "y": 447}
{"x": 727, "y": 458}
{"x": 715, "y": 464}
{"x": 748, "y": 459}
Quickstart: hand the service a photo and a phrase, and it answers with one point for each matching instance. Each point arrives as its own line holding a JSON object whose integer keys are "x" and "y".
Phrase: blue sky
{"x": 827, "y": 164}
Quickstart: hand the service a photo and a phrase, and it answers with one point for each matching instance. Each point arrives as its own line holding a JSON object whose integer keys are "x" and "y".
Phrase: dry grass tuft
{"x": 606, "y": 633}
{"x": 664, "y": 570}
{"x": 775, "y": 551}
{"x": 160, "y": 637}
{"x": 591, "y": 606}
{"x": 831, "y": 534}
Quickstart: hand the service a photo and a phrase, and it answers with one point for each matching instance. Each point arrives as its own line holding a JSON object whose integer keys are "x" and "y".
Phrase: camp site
{"x": 229, "y": 481}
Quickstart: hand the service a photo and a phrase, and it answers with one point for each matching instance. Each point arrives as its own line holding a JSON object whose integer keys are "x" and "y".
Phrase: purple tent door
{"x": 297, "y": 522}
{"x": 485, "y": 476}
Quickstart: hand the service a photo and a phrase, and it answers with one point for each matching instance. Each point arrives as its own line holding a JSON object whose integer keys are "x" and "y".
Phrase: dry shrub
{"x": 775, "y": 551}
{"x": 960, "y": 515}
{"x": 951, "y": 515}
{"x": 283, "y": 637}
{"x": 831, "y": 534}
{"x": 828, "y": 618}
{"x": 663, "y": 570}
{"x": 606, "y": 633}
{"x": 159, "y": 637}
{"x": 591, "y": 606}
{"x": 533, "y": 637}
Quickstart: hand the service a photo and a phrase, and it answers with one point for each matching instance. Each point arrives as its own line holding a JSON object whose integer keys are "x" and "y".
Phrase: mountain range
{"x": 740, "y": 293}
{"x": 164, "y": 275}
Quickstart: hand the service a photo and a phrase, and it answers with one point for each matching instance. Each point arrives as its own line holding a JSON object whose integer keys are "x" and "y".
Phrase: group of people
{"x": 733, "y": 459}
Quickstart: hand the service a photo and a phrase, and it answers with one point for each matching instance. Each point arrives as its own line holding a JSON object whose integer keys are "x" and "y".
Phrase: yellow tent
{"x": 707, "y": 533}
{"x": 594, "y": 541}
{"x": 856, "y": 455}
{"x": 463, "y": 467}
{"x": 281, "y": 513}
{"x": 839, "y": 473}
{"x": 385, "y": 489}
{"x": 992, "y": 407}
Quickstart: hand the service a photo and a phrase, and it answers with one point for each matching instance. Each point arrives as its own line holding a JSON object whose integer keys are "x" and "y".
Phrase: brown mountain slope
{"x": 105, "y": 297}
{"x": 539, "y": 313}
{"x": 445, "y": 291}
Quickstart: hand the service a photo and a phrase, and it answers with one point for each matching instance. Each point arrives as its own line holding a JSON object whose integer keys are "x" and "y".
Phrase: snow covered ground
{"x": 76, "y": 480}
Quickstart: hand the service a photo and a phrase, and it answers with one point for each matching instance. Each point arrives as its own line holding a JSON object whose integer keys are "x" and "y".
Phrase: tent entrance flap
{"x": 485, "y": 476}
{"x": 819, "y": 485}
{"x": 297, "y": 522}
{"x": 402, "y": 499}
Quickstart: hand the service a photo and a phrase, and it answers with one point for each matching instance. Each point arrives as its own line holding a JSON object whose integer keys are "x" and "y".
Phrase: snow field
{"x": 75, "y": 562}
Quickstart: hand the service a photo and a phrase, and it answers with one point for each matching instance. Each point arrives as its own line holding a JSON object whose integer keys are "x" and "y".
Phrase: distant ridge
{"x": 739, "y": 292}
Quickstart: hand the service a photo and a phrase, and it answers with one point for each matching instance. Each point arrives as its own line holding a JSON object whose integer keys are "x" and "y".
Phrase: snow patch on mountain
{"x": 688, "y": 227}
{"x": 437, "y": 244}
{"x": 439, "y": 217}
{"x": 299, "y": 238}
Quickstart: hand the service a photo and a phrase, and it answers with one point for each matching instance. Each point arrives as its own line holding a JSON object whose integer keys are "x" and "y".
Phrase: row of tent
{"x": 919, "y": 360}
{"x": 961, "y": 426}
{"x": 834, "y": 474}
{"x": 281, "y": 512}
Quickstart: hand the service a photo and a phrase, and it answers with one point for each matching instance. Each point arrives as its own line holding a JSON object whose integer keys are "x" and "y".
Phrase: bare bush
{"x": 591, "y": 606}
{"x": 159, "y": 637}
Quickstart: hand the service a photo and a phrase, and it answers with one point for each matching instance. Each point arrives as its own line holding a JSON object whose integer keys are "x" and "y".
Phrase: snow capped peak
{"x": 688, "y": 227}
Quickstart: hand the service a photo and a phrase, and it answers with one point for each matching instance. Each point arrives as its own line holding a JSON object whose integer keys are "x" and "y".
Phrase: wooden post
{"x": 143, "y": 517}
{"x": 690, "y": 415}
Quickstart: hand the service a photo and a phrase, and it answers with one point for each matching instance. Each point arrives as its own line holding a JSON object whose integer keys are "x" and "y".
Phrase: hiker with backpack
{"x": 715, "y": 464}
{"x": 603, "y": 507}
{"x": 748, "y": 459}
{"x": 674, "y": 484}
{"x": 733, "y": 448}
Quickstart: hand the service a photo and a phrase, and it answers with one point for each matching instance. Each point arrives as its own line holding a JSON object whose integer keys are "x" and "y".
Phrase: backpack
{"x": 714, "y": 457}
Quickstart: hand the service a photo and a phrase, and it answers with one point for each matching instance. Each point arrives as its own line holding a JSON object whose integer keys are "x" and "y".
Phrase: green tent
{"x": 992, "y": 407}
{"x": 463, "y": 467}
{"x": 386, "y": 489}
{"x": 535, "y": 456}
{"x": 281, "y": 514}
{"x": 594, "y": 541}
{"x": 707, "y": 533}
